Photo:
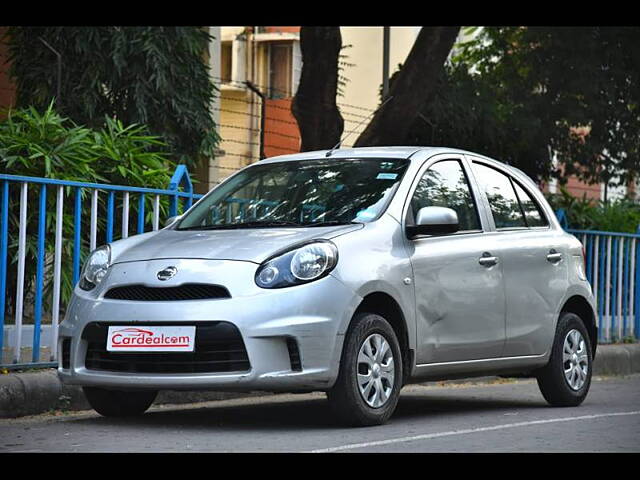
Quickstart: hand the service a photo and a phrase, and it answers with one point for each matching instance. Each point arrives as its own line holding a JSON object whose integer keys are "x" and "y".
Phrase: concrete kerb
{"x": 35, "y": 392}
{"x": 31, "y": 393}
{"x": 620, "y": 359}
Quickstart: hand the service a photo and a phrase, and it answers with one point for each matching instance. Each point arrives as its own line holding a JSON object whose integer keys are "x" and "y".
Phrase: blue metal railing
{"x": 78, "y": 191}
{"x": 611, "y": 264}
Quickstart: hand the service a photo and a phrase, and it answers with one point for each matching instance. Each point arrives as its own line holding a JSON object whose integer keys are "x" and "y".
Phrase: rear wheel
{"x": 370, "y": 378}
{"x": 565, "y": 380}
{"x": 118, "y": 403}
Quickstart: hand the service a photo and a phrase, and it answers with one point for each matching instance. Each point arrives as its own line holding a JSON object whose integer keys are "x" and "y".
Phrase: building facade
{"x": 257, "y": 71}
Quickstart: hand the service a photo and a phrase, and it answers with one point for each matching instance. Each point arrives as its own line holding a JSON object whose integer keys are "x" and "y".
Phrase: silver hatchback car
{"x": 353, "y": 272}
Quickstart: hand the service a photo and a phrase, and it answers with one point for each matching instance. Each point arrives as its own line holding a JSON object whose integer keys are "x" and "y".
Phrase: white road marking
{"x": 468, "y": 430}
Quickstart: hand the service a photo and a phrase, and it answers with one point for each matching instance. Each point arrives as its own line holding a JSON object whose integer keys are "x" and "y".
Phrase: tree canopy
{"x": 524, "y": 95}
{"x": 146, "y": 75}
{"x": 527, "y": 94}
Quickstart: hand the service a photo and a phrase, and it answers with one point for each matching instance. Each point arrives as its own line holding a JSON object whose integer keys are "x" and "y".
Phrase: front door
{"x": 460, "y": 299}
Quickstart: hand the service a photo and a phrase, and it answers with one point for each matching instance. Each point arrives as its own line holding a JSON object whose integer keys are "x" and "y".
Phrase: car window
{"x": 501, "y": 196}
{"x": 445, "y": 185}
{"x": 532, "y": 211}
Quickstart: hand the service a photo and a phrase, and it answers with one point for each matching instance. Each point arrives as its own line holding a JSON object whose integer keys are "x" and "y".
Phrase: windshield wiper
{"x": 230, "y": 226}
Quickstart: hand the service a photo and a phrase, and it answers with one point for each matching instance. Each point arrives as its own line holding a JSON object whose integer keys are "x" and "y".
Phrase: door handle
{"x": 486, "y": 260}
{"x": 553, "y": 256}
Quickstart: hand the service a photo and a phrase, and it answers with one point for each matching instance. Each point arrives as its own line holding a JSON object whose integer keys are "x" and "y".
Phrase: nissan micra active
{"x": 353, "y": 272}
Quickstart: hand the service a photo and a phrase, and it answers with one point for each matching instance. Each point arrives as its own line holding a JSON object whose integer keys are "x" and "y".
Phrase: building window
{"x": 225, "y": 61}
{"x": 280, "y": 70}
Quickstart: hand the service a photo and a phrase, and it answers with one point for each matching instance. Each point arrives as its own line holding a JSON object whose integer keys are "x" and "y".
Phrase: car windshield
{"x": 299, "y": 193}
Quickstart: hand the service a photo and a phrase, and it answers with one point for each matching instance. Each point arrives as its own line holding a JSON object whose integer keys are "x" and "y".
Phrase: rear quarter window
{"x": 533, "y": 213}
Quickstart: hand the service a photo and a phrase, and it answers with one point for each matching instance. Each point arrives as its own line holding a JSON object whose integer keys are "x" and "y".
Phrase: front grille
{"x": 66, "y": 353}
{"x": 188, "y": 291}
{"x": 218, "y": 348}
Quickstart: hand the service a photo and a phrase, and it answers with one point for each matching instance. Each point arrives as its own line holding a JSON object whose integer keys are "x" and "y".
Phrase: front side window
{"x": 300, "y": 193}
{"x": 501, "y": 196}
{"x": 444, "y": 184}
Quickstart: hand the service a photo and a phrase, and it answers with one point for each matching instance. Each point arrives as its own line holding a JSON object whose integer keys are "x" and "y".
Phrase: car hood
{"x": 252, "y": 245}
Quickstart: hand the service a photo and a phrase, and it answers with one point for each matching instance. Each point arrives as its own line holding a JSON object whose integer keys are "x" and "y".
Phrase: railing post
{"x": 22, "y": 239}
{"x": 180, "y": 178}
{"x": 57, "y": 264}
{"x": 601, "y": 289}
{"x": 110, "y": 206}
{"x": 125, "y": 215}
{"x": 625, "y": 287}
{"x": 561, "y": 215}
{"x": 37, "y": 313}
{"x": 77, "y": 226}
{"x": 141, "y": 213}
{"x": 93, "y": 226}
{"x": 4, "y": 240}
{"x": 636, "y": 294}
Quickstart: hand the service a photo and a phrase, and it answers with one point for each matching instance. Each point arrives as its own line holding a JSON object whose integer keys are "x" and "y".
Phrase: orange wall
{"x": 578, "y": 189}
{"x": 7, "y": 89}
{"x": 282, "y": 29}
{"x": 281, "y": 134}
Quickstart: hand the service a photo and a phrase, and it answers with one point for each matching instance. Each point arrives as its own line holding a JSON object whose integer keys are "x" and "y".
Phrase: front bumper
{"x": 315, "y": 315}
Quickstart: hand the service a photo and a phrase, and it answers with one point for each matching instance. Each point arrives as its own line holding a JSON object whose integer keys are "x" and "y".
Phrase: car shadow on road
{"x": 310, "y": 412}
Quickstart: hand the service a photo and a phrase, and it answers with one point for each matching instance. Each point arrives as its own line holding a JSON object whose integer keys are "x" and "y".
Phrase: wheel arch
{"x": 385, "y": 305}
{"x": 579, "y": 305}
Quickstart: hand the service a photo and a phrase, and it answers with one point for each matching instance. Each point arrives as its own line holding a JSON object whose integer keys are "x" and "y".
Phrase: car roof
{"x": 399, "y": 152}
{"x": 360, "y": 152}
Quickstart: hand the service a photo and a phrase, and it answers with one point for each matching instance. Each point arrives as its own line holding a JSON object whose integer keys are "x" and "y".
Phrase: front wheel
{"x": 565, "y": 380}
{"x": 118, "y": 403}
{"x": 368, "y": 385}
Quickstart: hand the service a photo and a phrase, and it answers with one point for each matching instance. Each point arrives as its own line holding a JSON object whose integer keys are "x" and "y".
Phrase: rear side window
{"x": 532, "y": 211}
{"x": 445, "y": 185}
{"x": 501, "y": 196}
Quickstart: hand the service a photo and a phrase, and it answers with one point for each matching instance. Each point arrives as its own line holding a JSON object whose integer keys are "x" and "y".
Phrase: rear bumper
{"x": 315, "y": 315}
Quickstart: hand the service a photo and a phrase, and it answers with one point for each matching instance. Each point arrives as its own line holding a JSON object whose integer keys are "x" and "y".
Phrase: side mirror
{"x": 434, "y": 221}
{"x": 170, "y": 220}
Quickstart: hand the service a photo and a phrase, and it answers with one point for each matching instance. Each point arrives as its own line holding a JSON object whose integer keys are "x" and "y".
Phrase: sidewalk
{"x": 40, "y": 391}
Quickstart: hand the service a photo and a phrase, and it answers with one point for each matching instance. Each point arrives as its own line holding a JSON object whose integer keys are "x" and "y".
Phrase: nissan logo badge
{"x": 167, "y": 273}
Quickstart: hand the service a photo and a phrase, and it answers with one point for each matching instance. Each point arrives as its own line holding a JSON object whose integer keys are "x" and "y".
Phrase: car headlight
{"x": 95, "y": 268}
{"x": 302, "y": 264}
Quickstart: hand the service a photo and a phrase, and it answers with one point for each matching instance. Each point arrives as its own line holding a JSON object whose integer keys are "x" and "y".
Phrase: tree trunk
{"x": 314, "y": 105}
{"x": 411, "y": 89}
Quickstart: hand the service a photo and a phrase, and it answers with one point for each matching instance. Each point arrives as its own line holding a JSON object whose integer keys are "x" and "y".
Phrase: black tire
{"x": 553, "y": 384}
{"x": 118, "y": 403}
{"x": 345, "y": 398}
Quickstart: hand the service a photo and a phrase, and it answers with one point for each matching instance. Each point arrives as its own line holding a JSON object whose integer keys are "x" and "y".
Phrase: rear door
{"x": 534, "y": 260}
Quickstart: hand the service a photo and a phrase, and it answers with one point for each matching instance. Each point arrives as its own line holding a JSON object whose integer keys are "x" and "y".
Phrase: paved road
{"x": 499, "y": 417}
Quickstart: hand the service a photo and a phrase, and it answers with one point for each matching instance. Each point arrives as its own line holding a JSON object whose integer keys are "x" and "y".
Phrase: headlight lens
{"x": 303, "y": 264}
{"x": 95, "y": 268}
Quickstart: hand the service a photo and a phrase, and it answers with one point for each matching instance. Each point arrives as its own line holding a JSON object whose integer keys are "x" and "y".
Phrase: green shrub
{"x": 48, "y": 145}
{"x": 585, "y": 214}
